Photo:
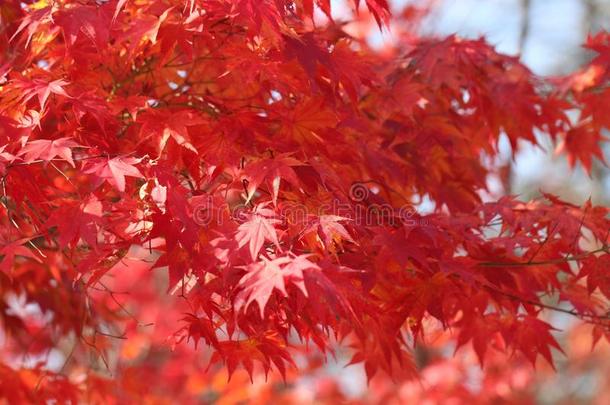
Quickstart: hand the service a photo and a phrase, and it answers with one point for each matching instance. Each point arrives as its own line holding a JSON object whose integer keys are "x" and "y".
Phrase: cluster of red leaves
{"x": 266, "y": 163}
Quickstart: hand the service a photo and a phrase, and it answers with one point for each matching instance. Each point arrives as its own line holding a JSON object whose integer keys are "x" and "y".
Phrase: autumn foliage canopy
{"x": 198, "y": 189}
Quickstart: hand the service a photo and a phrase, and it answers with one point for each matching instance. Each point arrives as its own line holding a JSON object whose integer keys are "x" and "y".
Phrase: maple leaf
{"x": 394, "y": 361}
{"x": 114, "y": 170}
{"x": 201, "y": 328}
{"x": 380, "y": 10}
{"x": 329, "y": 229}
{"x": 167, "y": 125}
{"x": 267, "y": 349}
{"x": 257, "y": 229}
{"x": 275, "y": 169}
{"x": 48, "y": 150}
{"x": 146, "y": 30}
{"x": 131, "y": 104}
{"x": 309, "y": 52}
{"x": 263, "y": 277}
{"x": 481, "y": 330}
{"x": 598, "y": 276}
{"x": 32, "y": 22}
{"x": 309, "y": 121}
{"x": 84, "y": 21}
{"x": 76, "y": 220}
{"x": 12, "y": 249}
{"x": 582, "y": 143}
{"x": 258, "y": 14}
{"x": 42, "y": 89}
{"x": 86, "y": 103}
{"x": 600, "y": 43}
{"x": 531, "y": 336}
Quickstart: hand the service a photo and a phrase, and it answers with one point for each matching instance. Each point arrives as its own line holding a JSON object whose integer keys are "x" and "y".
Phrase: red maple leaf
{"x": 12, "y": 249}
{"x": 42, "y": 89}
{"x": 114, "y": 170}
{"x": 47, "y": 150}
{"x": 272, "y": 170}
{"x": 583, "y": 143}
{"x": 258, "y": 228}
{"x": 263, "y": 277}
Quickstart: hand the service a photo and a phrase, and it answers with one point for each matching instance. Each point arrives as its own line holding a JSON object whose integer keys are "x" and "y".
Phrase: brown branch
{"x": 525, "y": 24}
{"x": 590, "y": 318}
{"x": 572, "y": 258}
